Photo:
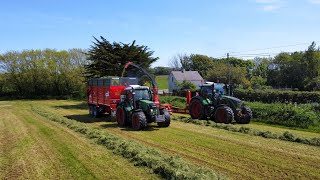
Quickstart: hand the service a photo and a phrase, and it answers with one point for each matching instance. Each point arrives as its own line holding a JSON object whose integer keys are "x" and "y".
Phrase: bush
{"x": 174, "y": 100}
{"x": 284, "y": 114}
{"x": 272, "y": 96}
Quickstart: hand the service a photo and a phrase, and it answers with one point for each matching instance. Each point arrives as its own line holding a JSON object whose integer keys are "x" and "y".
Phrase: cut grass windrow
{"x": 166, "y": 166}
{"x": 286, "y": 136}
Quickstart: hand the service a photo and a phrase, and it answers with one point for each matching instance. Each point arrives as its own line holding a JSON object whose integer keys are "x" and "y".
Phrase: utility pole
{"x": 229, "y": 74}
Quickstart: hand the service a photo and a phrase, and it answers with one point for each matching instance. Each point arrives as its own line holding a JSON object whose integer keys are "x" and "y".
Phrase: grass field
{"x": 33, "y": 148}
{"x": 235, "y": 155}
{"x": 162, "y": 82}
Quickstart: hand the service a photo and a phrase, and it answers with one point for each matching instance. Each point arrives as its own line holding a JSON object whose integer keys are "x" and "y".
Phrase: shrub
{"x": 272, "y": 96}
{"x": 284, "y": 114}
{"x": 174, "y": 100}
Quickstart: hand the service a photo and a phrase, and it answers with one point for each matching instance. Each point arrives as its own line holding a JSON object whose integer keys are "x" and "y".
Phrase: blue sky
{"x": 168, "y": 27}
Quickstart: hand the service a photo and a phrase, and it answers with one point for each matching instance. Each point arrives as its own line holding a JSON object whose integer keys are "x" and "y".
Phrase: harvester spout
{"x": 153, "y": 81}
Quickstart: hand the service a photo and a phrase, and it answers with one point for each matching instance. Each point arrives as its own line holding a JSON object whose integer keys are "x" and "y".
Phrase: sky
{"x": 243, "y": 28}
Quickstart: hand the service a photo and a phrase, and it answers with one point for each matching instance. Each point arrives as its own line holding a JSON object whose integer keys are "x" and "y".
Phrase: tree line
{"x": 42, "y": 73}
{"x": 298, "y": 70}
{"x": 61, "y": 73}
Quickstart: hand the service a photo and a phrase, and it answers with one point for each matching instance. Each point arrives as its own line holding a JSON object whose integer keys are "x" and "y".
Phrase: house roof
{"x": 187, "y": 75}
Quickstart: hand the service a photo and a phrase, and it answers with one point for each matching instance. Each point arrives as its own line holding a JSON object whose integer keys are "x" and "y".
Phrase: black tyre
{"x": 166, "y": 123}
{"x": 196, "y": 109}
{"x": 95, "y": 111}
{"x": 244, "y": 115}
{"x": 139, "y": 121}
{"x": 121, "y": 117}
{"x": 224, "y": 114}
{"x": 90, "y": 110}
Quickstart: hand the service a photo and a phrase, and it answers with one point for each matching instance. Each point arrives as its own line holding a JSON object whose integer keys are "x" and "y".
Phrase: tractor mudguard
{"x": 204, "y": 101}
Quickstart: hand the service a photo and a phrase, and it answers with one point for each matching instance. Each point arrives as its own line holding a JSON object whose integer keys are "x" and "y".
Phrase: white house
{"x": 180, "y": 76}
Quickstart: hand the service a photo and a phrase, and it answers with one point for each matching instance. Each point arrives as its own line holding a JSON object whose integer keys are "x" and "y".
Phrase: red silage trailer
{"x": 104, "y": 93}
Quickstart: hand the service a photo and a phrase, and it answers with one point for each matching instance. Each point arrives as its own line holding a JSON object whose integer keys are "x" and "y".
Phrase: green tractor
{"x": 211, "y": 102}
{"x": 137, "y": 107}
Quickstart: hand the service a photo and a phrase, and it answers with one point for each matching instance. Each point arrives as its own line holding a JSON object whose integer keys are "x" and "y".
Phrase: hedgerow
{"x": 273, "y": 96}
{"x": 174, "y": 100}
{"x": 166, "y": 166}
{"x": 286, "y": 136}
{"x": 284, "y": 114}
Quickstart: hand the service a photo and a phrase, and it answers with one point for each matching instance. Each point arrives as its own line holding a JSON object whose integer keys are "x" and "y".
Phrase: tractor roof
{"x": 136, "y": 87}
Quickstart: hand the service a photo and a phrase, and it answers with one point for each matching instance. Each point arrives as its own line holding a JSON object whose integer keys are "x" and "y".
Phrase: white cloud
{"x": 270, "y": 5}
{"x": 266, "y": 1}
{"x": 314, "y": 1}
{"x": 270, "y": 8}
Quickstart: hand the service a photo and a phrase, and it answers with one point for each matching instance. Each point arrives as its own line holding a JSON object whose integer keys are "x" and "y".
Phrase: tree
{"x": 219, "y": 72}
{"x": 35, "y": 73}
{"x": 201, "y": 63}
{"x": 108, "y": 59}
{"x": 181, "y": 61}
{"x": 160, "y": 70}
{"x": 184, "y": 85}
{"x": 311, "y": 60}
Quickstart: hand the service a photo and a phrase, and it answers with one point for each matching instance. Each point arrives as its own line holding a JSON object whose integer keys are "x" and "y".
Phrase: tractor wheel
{"x": 166, "y": 123}
{"x": 196, "y": 109}
{"x": 139, "y": 121}
{"x": 224, "y": 114}
{"x": 121, "y": 117}
{"x": 244, "y": 115}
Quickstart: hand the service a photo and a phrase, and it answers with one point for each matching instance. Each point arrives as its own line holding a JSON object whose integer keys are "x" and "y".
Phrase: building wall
{"x": 172, "y": 84}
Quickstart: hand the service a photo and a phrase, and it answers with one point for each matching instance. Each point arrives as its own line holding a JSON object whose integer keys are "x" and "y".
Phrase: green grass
{"x": 169, "y": 167}
{"x": 34, "y": 148}
{"x": 237, "y": 155}
{"x": 162, "y": 82}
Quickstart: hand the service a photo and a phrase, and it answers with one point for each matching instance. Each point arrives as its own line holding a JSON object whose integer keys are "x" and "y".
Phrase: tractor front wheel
{"x": 166, "y": 123}
{"x": 196, "y": 109}
{"x": 224, "y": 114}
{"x": 121, "y": 117}
{"x": 244, "y": 115}
{"x": 139, "y": 121}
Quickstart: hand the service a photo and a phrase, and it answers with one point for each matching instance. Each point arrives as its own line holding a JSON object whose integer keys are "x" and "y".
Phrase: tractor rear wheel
{"x": 121, "y": 117}
{"x": 224, "y": 114}
{"x": 196, "y": 109}
{"x": 139, "y": 121}
{"x": 244, "y": 116}
{"x": 166, "y": 123}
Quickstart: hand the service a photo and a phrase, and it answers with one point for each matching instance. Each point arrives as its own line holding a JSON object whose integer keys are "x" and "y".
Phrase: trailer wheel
{"x": 244, "y": 116}
{"x": 139, "y": 121}
{"x": 166, "y": 123}
{"x": 196, "y": 109}
{"x": 121, "y": 117}
{"x": 90, "y": 110}
{"x": 224, "y": 114}
{"x": 95, "y": 112}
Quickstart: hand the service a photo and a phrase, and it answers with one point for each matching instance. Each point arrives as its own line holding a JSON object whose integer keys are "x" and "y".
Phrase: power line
{"x": 260, "y": 49}
{"x": 276, "y": 47}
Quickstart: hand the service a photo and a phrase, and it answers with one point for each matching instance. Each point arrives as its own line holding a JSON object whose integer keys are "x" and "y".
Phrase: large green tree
{"x": 108, "y": 59}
